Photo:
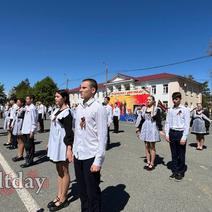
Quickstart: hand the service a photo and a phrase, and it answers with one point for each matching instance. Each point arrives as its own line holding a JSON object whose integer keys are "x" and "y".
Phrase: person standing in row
{"x": 150, "y": 130}
{"x": 198, "y": 122}
{"x": 177, "y": 130}
{"x": 60, "y": 143}
{"x": 17, "y": 126}
{"x": 13, "y": 112}
{"x": 109, "y": 118}
{"x": 89, "y": 146}
{"x": 29, "y": 128}
{"x": 7, "y": 110}
{"x": 116, "y": 117}
{"x": 41, "y": 112}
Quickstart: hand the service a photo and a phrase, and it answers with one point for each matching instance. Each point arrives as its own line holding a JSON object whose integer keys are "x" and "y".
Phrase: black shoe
{"x": 146, "y": 166}
{"x": 7, "y": 144}
{"x": 60, "y": 206}
{"x": 18, "y": 158}
{"x": 25, "y": 165}
{"x": 52, "y": 203}
{"x": 178, "y": 177}
{"x": 171, "y": 177}
{"x": 150, "y": 167}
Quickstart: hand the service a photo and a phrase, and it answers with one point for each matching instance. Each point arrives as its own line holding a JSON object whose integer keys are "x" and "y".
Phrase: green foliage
{"x": 44, "y": 91}
{"x": 3, "y": 96}
{"x": 21, "y": 90}
{"x": 205, "y": 94}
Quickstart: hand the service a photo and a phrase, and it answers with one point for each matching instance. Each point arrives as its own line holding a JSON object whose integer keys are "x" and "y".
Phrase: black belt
{"x": 173, "y": 130}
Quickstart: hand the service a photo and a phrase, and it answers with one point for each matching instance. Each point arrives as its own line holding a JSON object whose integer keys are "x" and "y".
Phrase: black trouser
{"x": 14, "y": 141}
{"x": 88, "y": 185}
{"x": 29, "y": 146}
{"x": 40, "y": 120}
{"x": 108, "y": 137}
{"x": 116, "y": 124}
{"x": 177, "y": 151}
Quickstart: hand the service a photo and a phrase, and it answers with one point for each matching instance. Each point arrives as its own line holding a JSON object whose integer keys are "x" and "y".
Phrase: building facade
{"x": 161, "y": 86}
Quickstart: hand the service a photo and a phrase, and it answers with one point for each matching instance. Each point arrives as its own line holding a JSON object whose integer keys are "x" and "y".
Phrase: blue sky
{"x": 72, "y": 39}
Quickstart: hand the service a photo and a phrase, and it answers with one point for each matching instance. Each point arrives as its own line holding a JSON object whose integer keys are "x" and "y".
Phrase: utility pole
{"x": 106, "y": 76}
{"x": 67, "y": 82}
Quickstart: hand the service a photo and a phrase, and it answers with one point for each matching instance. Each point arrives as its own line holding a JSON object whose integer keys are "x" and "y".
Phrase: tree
{"x": 21, "y": 90}
{"x": 190, "y": 77}
{"x": 44, "y": 91}
{"x": 205, "y": 94}
{"x": 3, "y": 96}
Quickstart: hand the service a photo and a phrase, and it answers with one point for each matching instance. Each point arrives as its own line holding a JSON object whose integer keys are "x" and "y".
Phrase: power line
{"x": 147, "y": 68}
{"x": 169, "y": 64}
{"x": 81, "y": 78}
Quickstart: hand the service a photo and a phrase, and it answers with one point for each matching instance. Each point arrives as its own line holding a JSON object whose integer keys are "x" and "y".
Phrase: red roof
{"x": 155, "y": 77}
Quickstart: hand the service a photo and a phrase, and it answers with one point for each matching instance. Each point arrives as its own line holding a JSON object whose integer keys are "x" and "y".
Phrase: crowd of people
{"x": 82, "y": 134}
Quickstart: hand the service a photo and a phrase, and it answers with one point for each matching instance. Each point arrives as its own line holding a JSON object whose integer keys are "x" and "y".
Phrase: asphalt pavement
{"x": 125, "y": 185}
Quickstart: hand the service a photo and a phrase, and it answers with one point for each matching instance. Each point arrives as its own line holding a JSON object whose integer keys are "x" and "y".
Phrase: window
{"x": 165, "y": 88}
{"x": 154, "y": 89}
{"x": 118, "y": 87}
{"x": 127, "y": 87}
{"x": 192, "y": 91}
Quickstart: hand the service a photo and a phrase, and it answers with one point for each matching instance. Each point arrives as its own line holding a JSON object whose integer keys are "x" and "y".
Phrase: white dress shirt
{"x": 109, "y": 114}
{"x": 116, "y": 112}
{"x": 178, "y": 118}
{"x": 13, "y": 111}
{"x": 41, "y": 110}
{"x": 90, "y": 141}
{"x": 30, "y": 119}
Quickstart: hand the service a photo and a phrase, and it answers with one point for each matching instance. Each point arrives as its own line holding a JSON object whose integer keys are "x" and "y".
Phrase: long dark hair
{"x": 65, "y": 96}
{"x": 22, "y": 100}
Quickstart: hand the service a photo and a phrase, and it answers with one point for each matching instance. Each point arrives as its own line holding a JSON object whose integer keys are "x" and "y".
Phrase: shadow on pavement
{"x": 73, "y": 195}
{"x": 42, "y": 157}
{"x": 114, "y": 198}
{"x": 3, "y": 133}
{"x": 170, "y": 166}
{"x": 195, "y": 145}
{"x": 113, "y": 145}
{"x": 37, "y": 142}
{"x": 158, "y": 160}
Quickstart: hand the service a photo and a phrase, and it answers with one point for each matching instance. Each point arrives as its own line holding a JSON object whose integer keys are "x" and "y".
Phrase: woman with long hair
{"x": 199, "y": 120}
{"x": 149, "y": 132}
{"x": 16, "y": 129}
{"x": 60, "y": 147}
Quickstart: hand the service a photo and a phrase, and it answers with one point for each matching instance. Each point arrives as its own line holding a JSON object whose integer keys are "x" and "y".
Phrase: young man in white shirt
{"x": 177, "y": 130}
{"x": 89, "y": 146}
{"x": 116, "y": 117}
{"x": 41, "y": 112}
{"x": 109, "y": 118}
{"x": 29, "y": 128}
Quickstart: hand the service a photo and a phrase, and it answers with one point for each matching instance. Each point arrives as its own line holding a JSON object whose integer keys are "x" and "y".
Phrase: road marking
{"x": 30, "y": 204}
{"x": 203, "y": 167}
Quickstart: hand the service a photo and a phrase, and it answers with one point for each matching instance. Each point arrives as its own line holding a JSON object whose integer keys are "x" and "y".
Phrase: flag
{"x": 162, "y": 106}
